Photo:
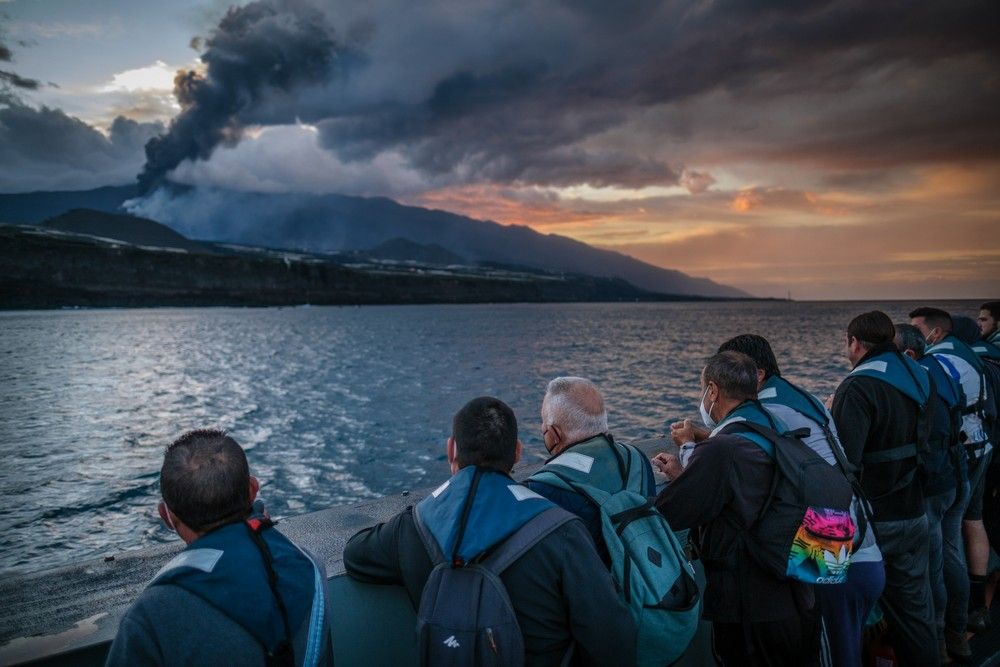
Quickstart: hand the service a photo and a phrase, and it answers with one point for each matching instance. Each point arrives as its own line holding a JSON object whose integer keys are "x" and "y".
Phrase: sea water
{"x": 334, "y": 404}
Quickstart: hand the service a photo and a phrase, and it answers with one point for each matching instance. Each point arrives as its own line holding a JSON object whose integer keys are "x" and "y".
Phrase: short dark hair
{"x": 734, "y": 373}
{"x": 935, "y": 317}
{"x": 993, "y": 307}
{"x": 757, "y": 348}
{"x": 872, "y": 328}
{"x": 485, "y": 432}
{"x": 205, "y": 479}
{"x": 908, "y": 337}
{"x": 965, "y": 329}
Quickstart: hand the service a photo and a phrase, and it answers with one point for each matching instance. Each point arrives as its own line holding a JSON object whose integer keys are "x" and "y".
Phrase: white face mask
{"x": 706, "y": 415}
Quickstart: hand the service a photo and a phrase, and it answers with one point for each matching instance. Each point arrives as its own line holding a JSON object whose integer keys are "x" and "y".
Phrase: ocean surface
{"x": 334, "y": 405}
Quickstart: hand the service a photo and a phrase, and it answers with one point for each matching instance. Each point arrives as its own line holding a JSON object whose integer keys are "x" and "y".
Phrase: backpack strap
{"x": 527, "y": 536}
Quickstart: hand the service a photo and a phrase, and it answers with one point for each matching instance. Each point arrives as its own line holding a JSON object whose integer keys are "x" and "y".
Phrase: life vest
{"x": 987, "y": 349}
{"x": 909, "y": 378}
{"x": 780, "y": 391}
{"x": 947, "y": 386}
{"x": 226, "y": 568}
{"x": 954, "y": 347}
{"x": 898, "y": 370}
{"x": 753, "y": 411}
{"x": 599, "y": 462}
{"x": 499, "y": 507}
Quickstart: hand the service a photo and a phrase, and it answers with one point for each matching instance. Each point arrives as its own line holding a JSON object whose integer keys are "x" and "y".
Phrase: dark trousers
{"x": 790, "y": 641}
{"x": 907, "y": 601}
{"x": 845, "y": 607}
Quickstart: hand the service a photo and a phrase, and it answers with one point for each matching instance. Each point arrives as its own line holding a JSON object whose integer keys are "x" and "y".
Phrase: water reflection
{"x": 334, "y": 404}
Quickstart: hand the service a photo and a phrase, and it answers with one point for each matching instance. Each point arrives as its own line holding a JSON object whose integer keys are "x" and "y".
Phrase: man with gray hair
{"x": 575, "y": 433}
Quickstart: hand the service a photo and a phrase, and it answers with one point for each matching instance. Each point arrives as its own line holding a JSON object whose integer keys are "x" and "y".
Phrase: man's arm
{"x": 372, "y": 554}
{"x": 600, "y": 623}
{"x": 852, "y": 414}
{"x": 699, "y": 493}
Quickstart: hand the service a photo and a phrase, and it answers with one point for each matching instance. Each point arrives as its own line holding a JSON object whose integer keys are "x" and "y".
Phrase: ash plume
{"x": 256, "y": 52}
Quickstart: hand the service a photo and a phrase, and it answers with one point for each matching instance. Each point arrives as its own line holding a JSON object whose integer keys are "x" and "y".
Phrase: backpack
{"x": 648, "y": 564}
{"x": 991, "y": 400}
{"x": 819, "y": 415}
{"x": 465, "y": 615}
{"x": 804, "y": 531}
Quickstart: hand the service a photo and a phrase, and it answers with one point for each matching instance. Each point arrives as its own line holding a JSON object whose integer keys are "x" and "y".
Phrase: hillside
{"x": 45, "y": 268}
{"x": 128, "y": 228}
{"x": 338, "y": 223}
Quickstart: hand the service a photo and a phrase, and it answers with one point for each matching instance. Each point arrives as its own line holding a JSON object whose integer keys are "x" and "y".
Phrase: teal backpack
{"x": 648, "y": 564}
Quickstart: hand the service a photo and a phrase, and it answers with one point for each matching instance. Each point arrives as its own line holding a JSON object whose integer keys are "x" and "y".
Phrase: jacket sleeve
{"x": 853, "y": 414}
{"x": 700, "y": 493}
{"x": 134, "y": 645}
{"x": 372, "y": 555}
{"x": 600, "y": 623}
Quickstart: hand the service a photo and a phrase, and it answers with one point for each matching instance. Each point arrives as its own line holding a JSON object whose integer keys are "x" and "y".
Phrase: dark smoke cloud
{"x": 541, "y": 93}
{"x": 45, "y": 149}
{"x": 11, "y": 82}
{"x": 264, "y": 47}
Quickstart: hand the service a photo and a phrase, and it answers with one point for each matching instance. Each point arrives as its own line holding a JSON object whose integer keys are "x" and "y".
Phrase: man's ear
{"x": 760, "y": 377}
{"x": 712, "y": 387}
{"x": 165, "y": 515}
{"x": 254, "y": 488}
{"x": 517, "y": 451}
{"x": 452, "y": 450}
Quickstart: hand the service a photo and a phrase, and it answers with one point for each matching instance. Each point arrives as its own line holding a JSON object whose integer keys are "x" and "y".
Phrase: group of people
{"x": 909, "y": 433}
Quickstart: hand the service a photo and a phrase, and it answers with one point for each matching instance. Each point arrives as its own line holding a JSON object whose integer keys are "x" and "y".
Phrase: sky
{"x": 827, "y": 149}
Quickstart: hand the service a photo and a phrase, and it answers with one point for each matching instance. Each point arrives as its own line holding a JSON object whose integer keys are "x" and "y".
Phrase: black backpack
{"x": 465, "y": 615}
{"x": 990, "y": 401}
{"x": 804, "y": 531}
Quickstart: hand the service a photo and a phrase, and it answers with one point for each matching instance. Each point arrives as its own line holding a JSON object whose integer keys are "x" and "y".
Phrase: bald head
{"x": 576, "y": 408}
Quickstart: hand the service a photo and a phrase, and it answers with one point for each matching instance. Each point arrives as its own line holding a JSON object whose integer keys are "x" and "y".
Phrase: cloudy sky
{"x": 831, "y": 149}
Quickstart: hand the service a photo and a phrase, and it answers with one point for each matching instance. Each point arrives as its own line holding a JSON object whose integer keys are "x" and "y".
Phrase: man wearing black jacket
{"x": 561, "y": 592}
{"x": 757, "y": 618}
{"x": 878, "y": 409}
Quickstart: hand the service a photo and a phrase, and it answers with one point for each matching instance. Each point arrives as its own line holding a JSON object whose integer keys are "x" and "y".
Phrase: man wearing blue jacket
{"x": 562, "y": 595}
{"x": 966, "y": 367}
{"x": 241, "y": 593}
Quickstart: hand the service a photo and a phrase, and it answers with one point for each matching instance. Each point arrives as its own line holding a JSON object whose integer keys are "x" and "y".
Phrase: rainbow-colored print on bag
{"x": 821, "y": 550}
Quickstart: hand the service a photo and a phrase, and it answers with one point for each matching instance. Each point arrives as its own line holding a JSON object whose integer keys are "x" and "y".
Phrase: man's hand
{"x": 686, "y": 431}
{"x": 668, "y": 464}
{"x": 829, "y": 402}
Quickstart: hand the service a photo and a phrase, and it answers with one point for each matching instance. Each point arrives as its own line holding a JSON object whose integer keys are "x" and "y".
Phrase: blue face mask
{"x": 706, "y": 415}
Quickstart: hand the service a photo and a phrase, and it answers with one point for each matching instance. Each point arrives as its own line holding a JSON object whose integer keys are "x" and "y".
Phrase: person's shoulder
{"x": 861, "y": 385}
{"x": 727, "y": 450}
{"x": 161, "y": 600}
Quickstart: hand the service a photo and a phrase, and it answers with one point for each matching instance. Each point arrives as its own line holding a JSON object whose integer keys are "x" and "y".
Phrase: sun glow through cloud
{"x": 156, "y": 77}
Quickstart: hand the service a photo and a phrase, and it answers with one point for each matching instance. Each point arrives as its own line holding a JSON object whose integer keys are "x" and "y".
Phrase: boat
{"x": 69, "y": 615}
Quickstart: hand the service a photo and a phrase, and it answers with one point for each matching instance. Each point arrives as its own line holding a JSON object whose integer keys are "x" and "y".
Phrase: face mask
{"x": 706, "y": 415}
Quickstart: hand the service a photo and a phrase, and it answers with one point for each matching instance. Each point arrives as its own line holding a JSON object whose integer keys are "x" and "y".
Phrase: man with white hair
{"x": 575, "y": 433}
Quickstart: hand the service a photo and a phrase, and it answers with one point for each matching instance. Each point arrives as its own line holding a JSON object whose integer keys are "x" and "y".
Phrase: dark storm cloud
{"x": 263, "y": 47}
{"x": 11, "y": 82}
{"x": 45, "y": 149}
{"x": 533, "y": 92}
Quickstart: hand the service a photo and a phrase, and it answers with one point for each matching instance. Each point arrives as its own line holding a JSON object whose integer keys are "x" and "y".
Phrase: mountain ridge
{"x": 339, "y": 223}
